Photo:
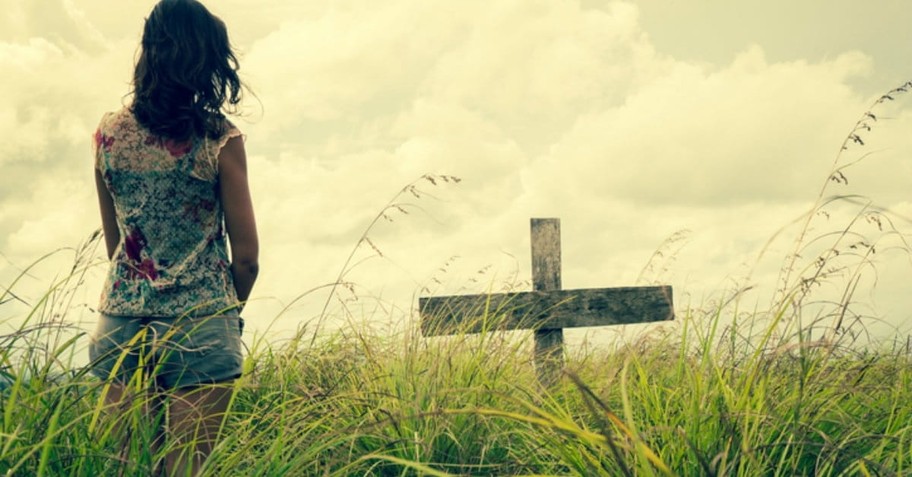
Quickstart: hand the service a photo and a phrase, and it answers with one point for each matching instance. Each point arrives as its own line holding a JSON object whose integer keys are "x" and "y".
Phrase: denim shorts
{"x": 168, "y": 353}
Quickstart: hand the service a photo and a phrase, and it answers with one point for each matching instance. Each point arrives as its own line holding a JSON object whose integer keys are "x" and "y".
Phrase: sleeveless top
{"x": 172, "y": 258}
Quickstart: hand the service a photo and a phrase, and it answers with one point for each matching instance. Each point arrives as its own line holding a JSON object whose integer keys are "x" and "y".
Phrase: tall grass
{"x": 672, "y": 404}
{"x": 724, "y": 391}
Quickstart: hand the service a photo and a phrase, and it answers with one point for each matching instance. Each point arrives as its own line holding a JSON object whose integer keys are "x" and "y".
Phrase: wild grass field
{"x": 730, "y": 388}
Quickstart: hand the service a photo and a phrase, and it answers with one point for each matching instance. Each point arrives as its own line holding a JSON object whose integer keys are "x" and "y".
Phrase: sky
{"x": 698, "y": 129}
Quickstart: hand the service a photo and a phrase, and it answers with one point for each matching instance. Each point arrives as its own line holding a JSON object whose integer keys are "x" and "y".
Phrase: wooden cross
{"x": 547, "y": 309}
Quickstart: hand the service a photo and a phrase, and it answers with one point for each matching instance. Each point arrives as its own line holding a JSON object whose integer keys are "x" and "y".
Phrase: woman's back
{"x": 172, "y": 257}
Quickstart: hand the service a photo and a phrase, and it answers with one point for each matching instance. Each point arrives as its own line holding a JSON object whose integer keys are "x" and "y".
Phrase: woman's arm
{"x": 239, "y": 219}
{"x": 108, "y": 217}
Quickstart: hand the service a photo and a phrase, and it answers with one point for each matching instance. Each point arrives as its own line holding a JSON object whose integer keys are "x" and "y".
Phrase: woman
{"x": 172, "y": 180}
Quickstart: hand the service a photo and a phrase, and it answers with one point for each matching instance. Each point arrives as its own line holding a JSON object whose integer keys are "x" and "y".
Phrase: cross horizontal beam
{"x": 542, "y": 310}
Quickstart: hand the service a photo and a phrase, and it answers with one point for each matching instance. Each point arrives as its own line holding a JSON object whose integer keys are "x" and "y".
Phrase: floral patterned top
{"x": 172, "y": 258}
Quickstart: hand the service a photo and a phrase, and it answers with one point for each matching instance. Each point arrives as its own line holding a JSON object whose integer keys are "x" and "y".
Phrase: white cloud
{"x": 56, "y": 212}
{"x": 751, "y": 131}
{"x": 346, "y": 63}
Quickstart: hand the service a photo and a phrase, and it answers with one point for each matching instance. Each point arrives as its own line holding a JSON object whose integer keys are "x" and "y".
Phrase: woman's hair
{"x": 186, "y": 72}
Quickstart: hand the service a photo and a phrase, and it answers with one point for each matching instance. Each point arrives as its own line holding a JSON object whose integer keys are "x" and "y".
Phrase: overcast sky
{"x": 631, "y": 121}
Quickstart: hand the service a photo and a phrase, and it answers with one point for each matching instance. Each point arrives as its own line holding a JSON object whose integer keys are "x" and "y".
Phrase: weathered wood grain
{"x": 545, "y": 310}
{"x": 546, "y": 276}
{"x": 546, "y": 254}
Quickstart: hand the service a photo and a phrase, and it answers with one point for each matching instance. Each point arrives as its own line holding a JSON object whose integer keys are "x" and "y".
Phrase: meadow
{"x": 730, "y": 388}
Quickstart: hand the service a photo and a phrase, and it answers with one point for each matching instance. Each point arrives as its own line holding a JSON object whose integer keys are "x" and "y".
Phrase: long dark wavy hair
{"x": 186, "y": 72}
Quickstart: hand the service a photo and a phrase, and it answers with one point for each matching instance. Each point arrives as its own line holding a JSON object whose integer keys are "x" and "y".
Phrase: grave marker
{"x": 547, "y": 309}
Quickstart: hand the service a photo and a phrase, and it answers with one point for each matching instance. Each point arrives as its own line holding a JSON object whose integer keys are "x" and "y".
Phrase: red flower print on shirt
{"x": 147, "y": 269}
{"x": 139, "y": 267}
{"x": 103, "y": 141}
{"x": 133, "y": 244}
{"x": 177, "y": 148}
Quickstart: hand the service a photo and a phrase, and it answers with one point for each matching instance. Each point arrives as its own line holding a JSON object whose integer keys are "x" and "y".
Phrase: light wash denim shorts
{"x": 168, "y": 353}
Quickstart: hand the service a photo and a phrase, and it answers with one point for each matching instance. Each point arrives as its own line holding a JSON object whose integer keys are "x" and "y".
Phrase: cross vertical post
{"x": 546, "y": 276}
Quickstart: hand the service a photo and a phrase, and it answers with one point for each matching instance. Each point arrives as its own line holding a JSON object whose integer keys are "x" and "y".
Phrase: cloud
{"x": 59, "y": 76}
{"x": 346, "y": 62}
{"x": 534, "y": 66}
{"x": 61, "y": 22}
{"x": 751, "y": 131}
{"x": 60, "y": 225}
